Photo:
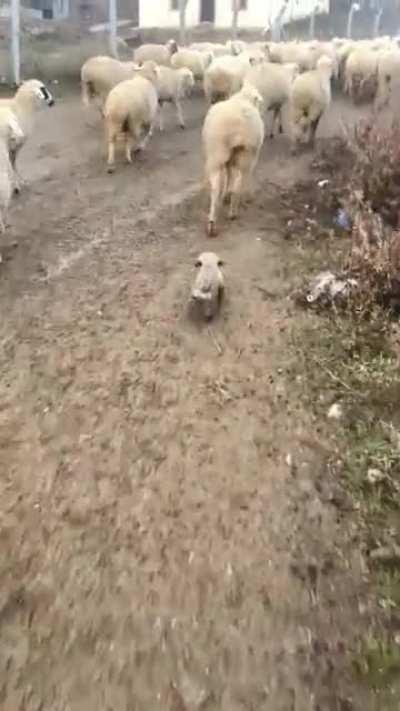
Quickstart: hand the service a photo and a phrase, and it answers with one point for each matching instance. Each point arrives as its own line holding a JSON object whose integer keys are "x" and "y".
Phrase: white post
{"x": 235, "y": 18}
{"x": 355, "y": 7}
{"x": 16, "y": 62}
{"x": 182, "y": 21}
{"x": 112, "y": 9}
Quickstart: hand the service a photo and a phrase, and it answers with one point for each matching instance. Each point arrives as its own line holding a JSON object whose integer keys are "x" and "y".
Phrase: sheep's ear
{"x": 197, "y": 263}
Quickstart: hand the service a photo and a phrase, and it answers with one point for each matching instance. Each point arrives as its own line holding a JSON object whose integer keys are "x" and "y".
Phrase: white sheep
{"x": 130, "y": 111}
{"x": 274, "y": 82}
{"x": 388, "y": 74}
{"x": 343, "y": 52}
{"x": 361, "y": 73}
{"x": 217, "y": 50}
{"x": 327, "y": 49}
{"x": 159, "y": 53}
{"x": 292, "y": 53}
{"x": 225, "y": 76}
{"x": 192, "y": 59}
{"x": 11, "y": 135}
{"x": 208, "y": 288}
{"x": 310, "y": 97}
{"x": 233, "y": 134}
{"x": 100, "y": 74}
{"x": 29, "y": 98}
{"x": 173, "y": 85}
{"x": 236, "y": 47}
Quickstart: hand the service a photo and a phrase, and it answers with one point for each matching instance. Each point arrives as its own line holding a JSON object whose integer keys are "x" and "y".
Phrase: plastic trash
{"x": 326, "y": 286}
{"x": 342, "y": 219}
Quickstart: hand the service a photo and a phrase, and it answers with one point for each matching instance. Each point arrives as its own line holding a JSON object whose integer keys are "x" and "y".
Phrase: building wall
{"x": 158, "y": 13}
{"x": 258, "y": 12}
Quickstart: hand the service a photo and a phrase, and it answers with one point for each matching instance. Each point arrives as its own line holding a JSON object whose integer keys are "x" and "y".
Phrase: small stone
{"x": 335, "y": 411}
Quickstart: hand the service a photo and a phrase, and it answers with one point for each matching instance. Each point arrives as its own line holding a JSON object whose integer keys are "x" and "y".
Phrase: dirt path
{"x": 159, "y": 550}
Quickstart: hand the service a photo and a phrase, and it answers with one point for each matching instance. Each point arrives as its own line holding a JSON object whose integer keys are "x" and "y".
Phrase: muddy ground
{"x": 169, "y": 533}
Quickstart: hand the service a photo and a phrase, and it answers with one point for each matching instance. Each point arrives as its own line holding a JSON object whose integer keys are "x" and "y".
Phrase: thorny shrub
{"x": 376, "y": 169}
{"x": 373, "y": 203}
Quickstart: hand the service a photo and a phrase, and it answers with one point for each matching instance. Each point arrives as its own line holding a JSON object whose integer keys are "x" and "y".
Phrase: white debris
{"x": 374, "y": 476}
{"x": 323, "y": 183}
{"x": 335, "y": 411}
{"x": 327, "y": 285}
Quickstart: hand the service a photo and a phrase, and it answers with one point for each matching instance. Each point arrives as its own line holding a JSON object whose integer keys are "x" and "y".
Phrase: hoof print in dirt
{"x": 208, "y": 288}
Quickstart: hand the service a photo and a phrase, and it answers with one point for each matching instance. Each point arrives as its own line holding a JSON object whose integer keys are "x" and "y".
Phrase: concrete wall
{"x": 259, "y": 12}
{"x": 158, "y": 13}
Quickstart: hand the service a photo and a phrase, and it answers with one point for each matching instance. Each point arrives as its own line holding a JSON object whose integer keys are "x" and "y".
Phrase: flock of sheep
{"x": 246, "y": 86}
{"x": 243, "y": 83}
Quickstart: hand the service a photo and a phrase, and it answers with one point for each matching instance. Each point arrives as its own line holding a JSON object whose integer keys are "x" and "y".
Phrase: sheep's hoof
{"x": 271, "y": 135}
{"x": 212, "y": 229}
{"x": 280, "y": 129}
{"x": 17, "y": 190}
{"x": 182, "y": 126}
{"x": 110, "y": 169}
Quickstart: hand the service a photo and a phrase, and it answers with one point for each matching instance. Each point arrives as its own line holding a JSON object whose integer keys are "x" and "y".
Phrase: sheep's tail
{"x": 88, "y": 92}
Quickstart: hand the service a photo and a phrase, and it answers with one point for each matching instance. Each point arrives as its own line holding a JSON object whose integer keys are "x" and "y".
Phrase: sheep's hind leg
{"x": 218, "y": 186}
{"x": 280, "y": 128}
{"x": 275, "y": 118}
{"x": 17, "y": 179}
{"x": 129, "y": 145}
{"x": 313, "y": 130}
{"x": 235, "y": 188}
{"x": 112, "y": 138}
{"x": 181, "y": 120}
{"x": 160, "y": 117}
{"x": 2, "y": 227}
{"x": 148, "y": 131}
{"x": 240, "y": 176}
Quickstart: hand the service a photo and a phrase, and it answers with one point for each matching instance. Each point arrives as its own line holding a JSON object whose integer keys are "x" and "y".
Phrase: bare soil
{"x": 169, "y": 537}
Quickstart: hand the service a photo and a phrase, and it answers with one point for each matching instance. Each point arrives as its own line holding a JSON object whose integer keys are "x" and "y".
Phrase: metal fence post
{"x": 112, "y": 18}
{"x": 15, "y": 48}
